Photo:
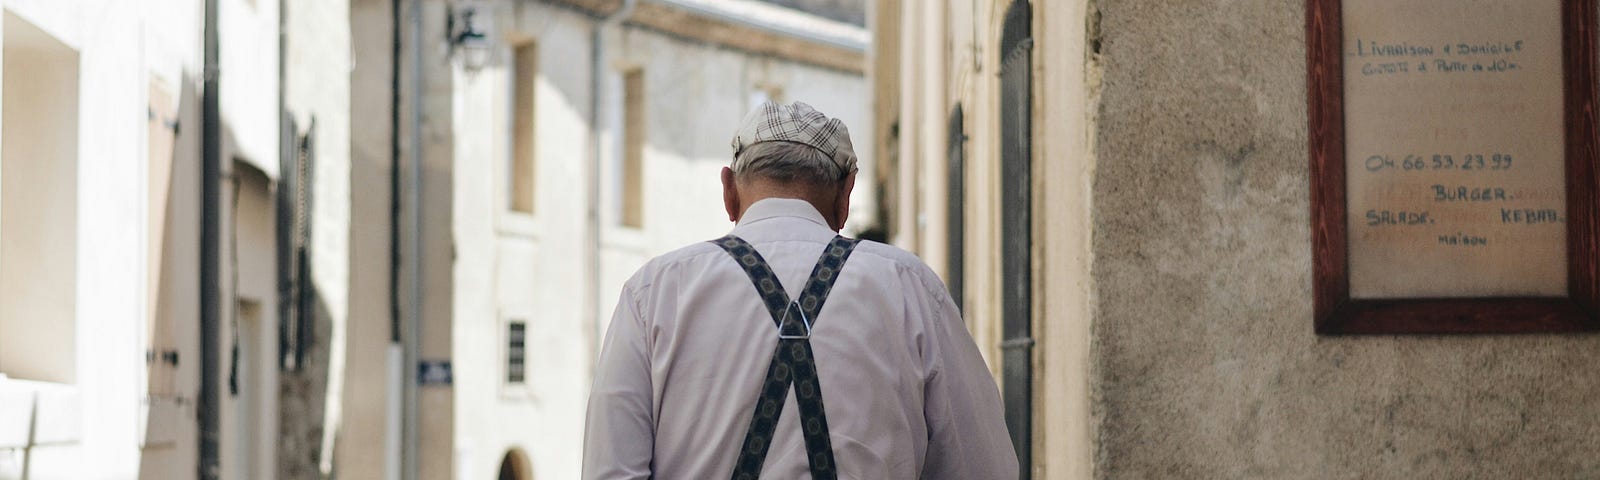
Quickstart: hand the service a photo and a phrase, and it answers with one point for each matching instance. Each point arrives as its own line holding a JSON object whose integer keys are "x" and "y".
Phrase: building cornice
{"x": 750, "y": 26}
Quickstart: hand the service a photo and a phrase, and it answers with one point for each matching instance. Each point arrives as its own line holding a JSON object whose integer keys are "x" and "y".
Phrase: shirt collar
{"x": 781, "y": 207}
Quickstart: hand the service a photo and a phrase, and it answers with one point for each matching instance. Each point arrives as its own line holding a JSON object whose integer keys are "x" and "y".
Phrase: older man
{"x": 717, "y": 366}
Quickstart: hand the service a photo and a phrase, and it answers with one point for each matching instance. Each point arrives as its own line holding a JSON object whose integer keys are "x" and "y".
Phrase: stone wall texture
{"x": 1205, "y": 363}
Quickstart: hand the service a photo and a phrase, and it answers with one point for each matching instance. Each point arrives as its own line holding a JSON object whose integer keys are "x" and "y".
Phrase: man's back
{"x": 905, "y": 392}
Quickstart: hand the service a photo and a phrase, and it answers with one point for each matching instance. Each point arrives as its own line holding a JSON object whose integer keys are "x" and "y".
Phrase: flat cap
{"x": 798, "y": 123}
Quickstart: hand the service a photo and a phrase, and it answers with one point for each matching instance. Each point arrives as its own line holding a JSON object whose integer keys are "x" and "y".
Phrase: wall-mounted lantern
{"x": 469, "y": 39}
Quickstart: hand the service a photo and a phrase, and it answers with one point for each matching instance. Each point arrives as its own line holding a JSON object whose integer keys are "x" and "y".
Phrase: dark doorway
{"x": 514, "y": 466}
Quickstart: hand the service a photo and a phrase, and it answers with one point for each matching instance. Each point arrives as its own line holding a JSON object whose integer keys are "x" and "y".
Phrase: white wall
{"x": 247, "y": 31}
{"x": 528, "y": 267}
{"x": 122, "y": 282}
{"x": 111, "y": 205}
{"x": 110, "y": 199}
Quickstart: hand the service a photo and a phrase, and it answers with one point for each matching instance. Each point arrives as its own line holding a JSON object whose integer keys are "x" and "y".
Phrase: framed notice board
{"x": 1453, "y": 151}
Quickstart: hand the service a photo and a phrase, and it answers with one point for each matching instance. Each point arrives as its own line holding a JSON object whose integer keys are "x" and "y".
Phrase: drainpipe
{"x": 411, "y": 336}
{"x": 393, "y": 439}
{"x": 210, "y": 256}
{"x": 597, "y": 70}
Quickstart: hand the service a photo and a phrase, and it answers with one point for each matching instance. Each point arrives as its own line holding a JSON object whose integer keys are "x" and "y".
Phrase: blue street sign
{"x": 434, "y": 372}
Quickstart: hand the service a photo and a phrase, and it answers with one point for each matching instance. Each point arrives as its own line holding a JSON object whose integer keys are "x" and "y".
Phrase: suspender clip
{"x": 794, "y": 309}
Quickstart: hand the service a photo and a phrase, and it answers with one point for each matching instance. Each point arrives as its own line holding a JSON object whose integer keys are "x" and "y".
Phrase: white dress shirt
{"x": 905, "y": 391}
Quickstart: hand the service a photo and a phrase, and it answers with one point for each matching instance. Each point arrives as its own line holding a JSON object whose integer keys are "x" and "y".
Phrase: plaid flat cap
{"x": 797, "y": 123}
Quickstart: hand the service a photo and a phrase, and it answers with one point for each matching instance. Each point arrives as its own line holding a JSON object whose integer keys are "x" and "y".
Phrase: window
{"x": 633, "y": 139}
{"x": 516, "y": 352}
{"x": 38, "y": 205}
{"x": 524, "y": 166}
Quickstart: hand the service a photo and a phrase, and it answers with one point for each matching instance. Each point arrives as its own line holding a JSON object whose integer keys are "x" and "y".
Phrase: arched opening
{"x": 514, "y": 466}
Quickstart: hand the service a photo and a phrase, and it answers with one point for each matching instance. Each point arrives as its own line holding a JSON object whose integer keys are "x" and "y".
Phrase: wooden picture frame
{"x": 1337, "y": 313}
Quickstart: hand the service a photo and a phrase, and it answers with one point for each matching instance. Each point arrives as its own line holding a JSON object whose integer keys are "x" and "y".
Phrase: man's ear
{"x": 841, "y": 204}
{"x": 730, "y": 195}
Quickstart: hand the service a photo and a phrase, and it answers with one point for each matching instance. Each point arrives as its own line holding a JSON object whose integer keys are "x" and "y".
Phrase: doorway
{"x": 514, "y": 466}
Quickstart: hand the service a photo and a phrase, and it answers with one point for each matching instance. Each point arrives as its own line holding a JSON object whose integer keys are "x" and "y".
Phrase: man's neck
{"x": 826, "y": 210}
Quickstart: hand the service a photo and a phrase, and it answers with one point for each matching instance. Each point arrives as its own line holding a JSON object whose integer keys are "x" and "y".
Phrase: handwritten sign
{"x": 1454, "y": 149}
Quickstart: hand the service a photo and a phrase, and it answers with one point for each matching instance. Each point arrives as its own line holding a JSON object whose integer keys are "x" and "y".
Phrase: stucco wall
{"x": 1205, "y": 361}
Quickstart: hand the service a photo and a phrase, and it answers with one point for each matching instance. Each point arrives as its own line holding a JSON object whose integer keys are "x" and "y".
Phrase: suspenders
{"x": 792, "y": 361}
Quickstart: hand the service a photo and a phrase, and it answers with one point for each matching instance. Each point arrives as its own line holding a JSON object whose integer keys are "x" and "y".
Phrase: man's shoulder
{"x": 676, "y": 257}
{"x": 894, "y": 255}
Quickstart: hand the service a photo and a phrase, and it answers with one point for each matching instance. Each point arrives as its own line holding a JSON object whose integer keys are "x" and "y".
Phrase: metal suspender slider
{"x": 794, "y": 309}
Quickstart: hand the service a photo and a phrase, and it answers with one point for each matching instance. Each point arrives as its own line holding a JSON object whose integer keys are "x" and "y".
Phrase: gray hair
{"x": 789, "y": 162}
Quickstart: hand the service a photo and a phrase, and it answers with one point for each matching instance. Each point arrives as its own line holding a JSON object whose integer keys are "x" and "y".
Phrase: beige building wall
{"x": 1202, "y": 265}
{"x": 249, "y": 414}
{"x": 434, "y": 88}
{"x": 948, "y": 55}
{"x": 1064, "y": 166}
{"x": 364, "y": 435}
{"x": 1172, "y": 267}
{"x": 387, "y": 99}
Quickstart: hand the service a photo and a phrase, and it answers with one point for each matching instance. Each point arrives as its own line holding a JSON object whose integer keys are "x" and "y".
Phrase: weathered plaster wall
{"x": 1205, "y": 362}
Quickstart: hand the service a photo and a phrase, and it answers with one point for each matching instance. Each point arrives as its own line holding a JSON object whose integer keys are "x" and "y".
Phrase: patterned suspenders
{"x": 792, "y": 361}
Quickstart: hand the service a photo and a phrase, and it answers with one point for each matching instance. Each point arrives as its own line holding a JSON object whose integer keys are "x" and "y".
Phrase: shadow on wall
{"x": 302, "y": 395}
